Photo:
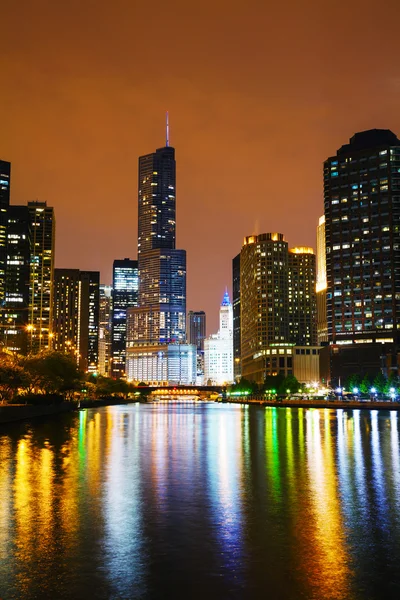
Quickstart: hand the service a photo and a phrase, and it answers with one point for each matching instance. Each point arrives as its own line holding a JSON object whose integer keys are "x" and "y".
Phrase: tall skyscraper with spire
{"x": 160, "y": 318}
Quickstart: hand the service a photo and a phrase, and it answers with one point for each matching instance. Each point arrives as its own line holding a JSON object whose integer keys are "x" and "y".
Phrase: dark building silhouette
{"x": 237, "y": 363}
{"x": 124, "y": 297}
{"x": 196, "y": 329}
{"x": 76, "y": 315}
{"x": 16, "y": 303}
{"x": 362, "y": 210}
{"x": 5, "y": 183}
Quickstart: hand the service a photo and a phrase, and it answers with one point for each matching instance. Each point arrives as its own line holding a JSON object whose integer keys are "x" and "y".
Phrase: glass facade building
{"x": 160, "y": 318}
{"x": 124, "y": 296}
{"x": 105, "y": 328}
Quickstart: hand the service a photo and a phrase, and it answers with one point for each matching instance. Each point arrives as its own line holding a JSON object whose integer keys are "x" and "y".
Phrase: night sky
{"x": 259, "y": 94}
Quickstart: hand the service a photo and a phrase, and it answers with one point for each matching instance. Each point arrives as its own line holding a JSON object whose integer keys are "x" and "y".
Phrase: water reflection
{"x": 226, "y": 501}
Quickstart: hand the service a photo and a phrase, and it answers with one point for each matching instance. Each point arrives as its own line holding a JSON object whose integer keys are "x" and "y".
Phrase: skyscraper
{"x": 16, "y": 303}
{"x": 277, "y": 305}
{"x": 237, "y": 363}
{"x": 5, "y": 183}
{"x": 362, "y": 210}
{"x": 160, "y": 318}
{"x": 76, "y": 315}
{"x": 302, "y": 296}
{"x": 124, "y": 297}
{"x": 105, "y": 329}
{"x": 322, "y": 324}
{"x": 42, "y": 276}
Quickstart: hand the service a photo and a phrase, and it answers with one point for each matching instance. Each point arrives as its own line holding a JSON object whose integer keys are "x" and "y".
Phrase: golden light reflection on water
{"x": 328, "y": 565}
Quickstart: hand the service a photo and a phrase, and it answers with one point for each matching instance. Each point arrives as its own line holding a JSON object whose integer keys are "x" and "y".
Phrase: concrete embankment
{"x": 21, "y": 412}
{"x": 318, "y": 404}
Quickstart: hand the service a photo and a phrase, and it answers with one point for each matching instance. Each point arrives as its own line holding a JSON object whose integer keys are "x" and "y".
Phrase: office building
{"x": 196, "y": 334}
{"x": 277, "y": 302}
{"x": 302, "y": 296}
{"x": 76, "y": 316}
{"x": 5, "y": 185}
{"x": 237, "y": 363}
{"x": 40, "y": 319}
{"x": 362, "y": 210}
{"x": 218, "y": 348}
{"x": 105, "y": 330}
{"x": 16, "y": 302}
{"x": 322, "y": 323}
{"x": 160, "y": 318}
{"x": 125, "y": 296}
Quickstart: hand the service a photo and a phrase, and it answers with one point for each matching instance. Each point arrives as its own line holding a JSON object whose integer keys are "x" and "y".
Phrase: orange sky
{"x": 259, "y": 94}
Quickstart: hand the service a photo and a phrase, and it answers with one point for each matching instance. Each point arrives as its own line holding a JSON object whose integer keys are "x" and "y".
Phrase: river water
{"x": 201, "y": 500}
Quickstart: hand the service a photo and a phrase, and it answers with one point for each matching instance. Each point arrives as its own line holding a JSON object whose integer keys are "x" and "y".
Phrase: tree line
{"x": 54, "y": 376}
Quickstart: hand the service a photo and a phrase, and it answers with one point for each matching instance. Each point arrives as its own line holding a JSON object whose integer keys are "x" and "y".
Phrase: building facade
{"x": 277, "y": 301}
{"x": 362, "y": 210}
{"x": 105, "y": 329}
{"x": 196, "y": 334}
{"x": 16, "y": 302}
{"x": 218, "y": 348}
{"x": 321, "y": 285}
{"x": 237, "y": 363}
{"x": 40, "y": 320}
{"x": 5, "y": 186}
{"x": 76, "y": 316}
{"x": 302, "y": 296}
{"x": 160, "y": 318}
{"x": 124, "y": 296}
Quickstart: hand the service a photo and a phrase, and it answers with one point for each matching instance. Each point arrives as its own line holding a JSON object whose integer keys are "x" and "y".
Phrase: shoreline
{"x": 21, "y": 412}
{"x": 366, "y": 405}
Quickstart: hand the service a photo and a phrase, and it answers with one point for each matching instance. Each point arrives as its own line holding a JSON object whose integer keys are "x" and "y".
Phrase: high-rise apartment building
{"x": 41, "y": 276}
{"x": 362, "y": 210}
{"x": 125, "y": 296}
{"x": 277, "y": 304}
{"x": 302, "y": 296}
{"x": 76, "y": 315}
{"x": 160, "y": 318}
{"x": 105, "y": 329}
{"x": 237, "y": 363}
{"x": 5, "y": 183}
{"x": 322, "y": 323}
{"x": 16, "y": 302}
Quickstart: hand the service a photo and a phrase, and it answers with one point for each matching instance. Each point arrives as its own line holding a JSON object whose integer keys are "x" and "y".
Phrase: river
{"x": 201, "y": 500}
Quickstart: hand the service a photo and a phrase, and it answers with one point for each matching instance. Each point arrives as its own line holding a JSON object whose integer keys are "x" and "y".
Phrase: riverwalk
{"x": 303, "y": 403}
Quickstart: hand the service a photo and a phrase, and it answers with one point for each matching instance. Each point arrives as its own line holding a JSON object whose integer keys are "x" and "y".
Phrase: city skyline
{"x": 252, "y": 119}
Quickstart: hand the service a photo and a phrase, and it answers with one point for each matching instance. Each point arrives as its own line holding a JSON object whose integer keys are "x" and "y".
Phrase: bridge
{"x": 174, "y": 391}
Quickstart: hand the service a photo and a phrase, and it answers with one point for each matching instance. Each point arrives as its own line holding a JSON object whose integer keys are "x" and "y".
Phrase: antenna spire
{"x": 167, "y": 130}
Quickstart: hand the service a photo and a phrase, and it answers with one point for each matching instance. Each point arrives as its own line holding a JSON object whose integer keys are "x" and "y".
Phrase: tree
{"x": 380, "y": 383}
{"x": 53, "y": 373}
{"x": 12, "y": 377}
{"x": 365, "y": 385}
